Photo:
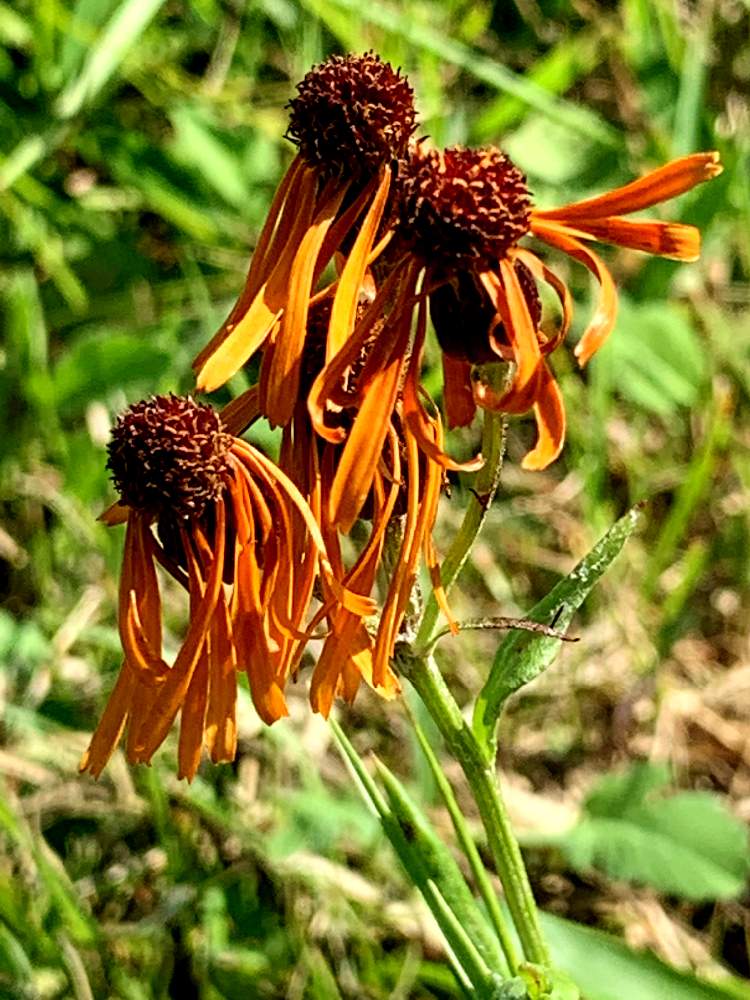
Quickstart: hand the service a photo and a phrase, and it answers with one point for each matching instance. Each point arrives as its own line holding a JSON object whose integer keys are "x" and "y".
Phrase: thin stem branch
{"x": 485, "y": 487}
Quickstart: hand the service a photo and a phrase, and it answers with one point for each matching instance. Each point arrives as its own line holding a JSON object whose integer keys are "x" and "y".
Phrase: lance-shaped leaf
{"x": 433, "y": 870}
{"x": 524, "y": 655}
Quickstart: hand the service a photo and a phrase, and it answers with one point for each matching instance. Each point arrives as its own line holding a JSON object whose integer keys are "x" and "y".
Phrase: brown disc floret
{"x": 463, "y": 207}
{"x": 168, "y": 455}
{"x": 352, "y": 114}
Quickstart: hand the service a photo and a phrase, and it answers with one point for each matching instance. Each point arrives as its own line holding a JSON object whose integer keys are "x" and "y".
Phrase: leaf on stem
{"x": 524, "y": 655}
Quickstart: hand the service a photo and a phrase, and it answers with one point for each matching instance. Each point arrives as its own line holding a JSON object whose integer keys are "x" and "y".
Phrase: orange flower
{"x": 352, "y": 121}
{"x": 237, "y": 534}
{"x": 399, "y": 502}
{"x": 463, "y": 213}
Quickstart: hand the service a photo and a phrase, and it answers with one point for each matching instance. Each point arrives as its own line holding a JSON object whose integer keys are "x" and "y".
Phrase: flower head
{"x": 352, "y": 114}
{"x": 237, "y": 534}
{"x": 463, "y": 218}
{"x": 463, "y": 207}
{"x": 352, "y": 120}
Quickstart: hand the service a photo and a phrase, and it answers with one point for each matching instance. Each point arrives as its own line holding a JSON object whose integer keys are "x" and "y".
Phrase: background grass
{"x": 140, "y": 142}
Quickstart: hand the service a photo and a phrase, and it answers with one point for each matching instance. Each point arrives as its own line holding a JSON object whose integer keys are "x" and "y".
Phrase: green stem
{"x": 485, "y": 487}
{"x": 466, "y": 841}
{"x": 480, "y": 775}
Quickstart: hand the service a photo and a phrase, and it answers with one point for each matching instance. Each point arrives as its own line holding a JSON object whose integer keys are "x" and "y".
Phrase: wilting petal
{"x": 458, "y": 398}
{"x": 603, "y": 319}
{"x": 542, "y": 273}
{"x": 549, "y": 411}
{"x": 660, "y": 185}
{"x": 344, "y": 310}
{"x": 243, "y": 411}
{"x": 281, "y": 389}
{"x": 111, "y": 725}
{"x": 238, "y": 339}
{"x": 508, "y": 299}
{"x": 364, "y": 445}
{"x": 664, "y": 239}
{"x": 193, "y": 720}
{"x": 155, "y": 726}
{"x": 221, "y": 727}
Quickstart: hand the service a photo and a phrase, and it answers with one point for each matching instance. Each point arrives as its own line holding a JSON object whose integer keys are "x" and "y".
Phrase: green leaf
{"x": 688, "y": 844}
{"x": 606, "y": 969}
{"x": 522, "y": 656}
{"x": 657, "y": 345}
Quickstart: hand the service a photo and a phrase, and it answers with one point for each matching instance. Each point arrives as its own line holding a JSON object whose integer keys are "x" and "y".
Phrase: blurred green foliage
{"x": 140, "y": 143}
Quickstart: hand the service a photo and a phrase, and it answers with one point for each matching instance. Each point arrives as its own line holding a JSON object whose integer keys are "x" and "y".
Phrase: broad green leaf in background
{"x": 606, "y": 969}
{"x": 522, "y": 656}
{"x": 655, "y": 359}
{"x": 687, "y": 844}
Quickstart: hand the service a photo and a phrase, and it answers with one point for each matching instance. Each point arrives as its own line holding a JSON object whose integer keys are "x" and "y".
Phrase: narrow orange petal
{"x": 283, "y": 376}
{"x": 243, "y": 411}
{"x": 664, "y": 239}
{"x": 328, "y": 381}
{"x": 109, "y": 731}
{"x": 542, "y": 273}
{"x": 510, "y": 303}
{"x": 657, "y": 186}
{"x": 237, "y": 340}
{"x": 549, "y": 411}
{"x": 460, "y": 407}
{"x": 344, "y": 309}
{"x": 603, "y": 320}
{"x": 271, "y": 241}
{"x": 221, "y": 726}
{"x": 364, "y": 445}
{"x": 155, "y": 726}
{"x": 193, "y": 720}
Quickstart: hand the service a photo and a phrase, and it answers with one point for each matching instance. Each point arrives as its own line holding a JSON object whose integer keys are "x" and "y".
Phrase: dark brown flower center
{"x": 463, "y": 207}
{"x": 168, "y": 456}
{"x": 463, "y": 315}
{"x": 352, "y": 114}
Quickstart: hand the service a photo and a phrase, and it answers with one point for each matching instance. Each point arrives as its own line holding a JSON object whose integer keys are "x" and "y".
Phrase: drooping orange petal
{"x": 603, "y": 320}
{"x": 364, "y": 445}
{"x": 221, "y": 727}
{"x": 324, "y": 388}
{"x": 282, "y": 384}
{"x": 111, "y": 725}
{"x": 142, "y": 658}
{"x": 542, "y": 273}
{"x": 243, "y": 411}
{"x": 270, "y": 472}
{"x": 344, "y": 309}
{"x": 460, "y": 407}
{"x": 507, "y": 297}
{"x": 236, "y": 341}
{"x": 155, "y": 726}
{"x": 549, "y": 411}
{"x": 657, "y": 186}
{"x": 192, "y": 720}
{"x": 271, "y": 242}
